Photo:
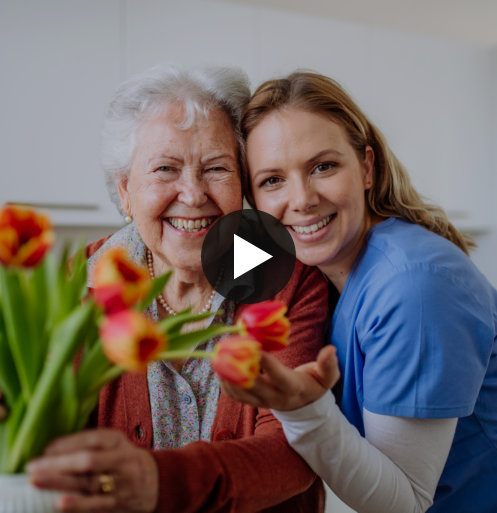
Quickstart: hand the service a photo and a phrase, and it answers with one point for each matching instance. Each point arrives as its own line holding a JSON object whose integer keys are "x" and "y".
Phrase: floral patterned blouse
{"x": 183, "y": 404}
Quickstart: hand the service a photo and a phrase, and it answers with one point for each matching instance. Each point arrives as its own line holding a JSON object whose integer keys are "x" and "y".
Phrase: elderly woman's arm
{"x": 245, "y": 475}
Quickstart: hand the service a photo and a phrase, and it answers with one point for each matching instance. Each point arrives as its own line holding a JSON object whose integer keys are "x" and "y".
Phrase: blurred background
{"x": 425, "y": 71}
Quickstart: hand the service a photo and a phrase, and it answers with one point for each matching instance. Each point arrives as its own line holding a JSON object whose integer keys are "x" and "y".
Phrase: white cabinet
{"x": 60, "y": 62}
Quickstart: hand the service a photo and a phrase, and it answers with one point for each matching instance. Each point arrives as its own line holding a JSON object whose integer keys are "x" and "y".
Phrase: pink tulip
{"x": 267, "y": 323}
{"x": 236, "y": 359}
{"x": 131, "y": 340}
{"x": 119, "y": 283}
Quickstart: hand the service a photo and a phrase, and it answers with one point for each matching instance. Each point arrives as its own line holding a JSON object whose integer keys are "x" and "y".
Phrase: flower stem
{"x": 65, "y": 340}
{"x": 169, "y": 355}
{"x": 16, "y": 330}
{"x": 113, "y": 372}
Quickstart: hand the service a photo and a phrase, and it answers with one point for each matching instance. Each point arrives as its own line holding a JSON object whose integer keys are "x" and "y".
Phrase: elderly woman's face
{"x": 180, "y": 182}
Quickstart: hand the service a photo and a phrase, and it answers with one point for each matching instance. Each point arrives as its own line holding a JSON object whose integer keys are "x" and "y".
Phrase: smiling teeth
{"x": 312, "y": 227}
{"x": 190, "y": 225}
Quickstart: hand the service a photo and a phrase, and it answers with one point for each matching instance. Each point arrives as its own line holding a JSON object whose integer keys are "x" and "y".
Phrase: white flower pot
{"x": 18, "y": 495}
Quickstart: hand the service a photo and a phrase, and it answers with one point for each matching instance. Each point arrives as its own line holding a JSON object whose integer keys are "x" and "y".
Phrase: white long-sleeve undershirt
{"x": 394, "y": 469}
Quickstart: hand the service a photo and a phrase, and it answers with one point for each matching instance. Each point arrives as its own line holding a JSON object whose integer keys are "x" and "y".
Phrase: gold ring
{"x": 107, "y": 483}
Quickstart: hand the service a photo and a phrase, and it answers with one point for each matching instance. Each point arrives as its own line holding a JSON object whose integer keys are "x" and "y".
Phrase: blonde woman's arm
{"x": 395, "y": 469}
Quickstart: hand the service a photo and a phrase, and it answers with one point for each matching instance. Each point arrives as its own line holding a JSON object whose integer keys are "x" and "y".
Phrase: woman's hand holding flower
{"x": 238, "y": 360}
{"x": 75, "y": 465}
{"x": 281, "y": 388}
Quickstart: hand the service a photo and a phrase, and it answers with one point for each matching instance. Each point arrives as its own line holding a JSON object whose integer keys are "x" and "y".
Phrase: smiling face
{"x": 180, "y": 182}
{"x": 305, "y": 173}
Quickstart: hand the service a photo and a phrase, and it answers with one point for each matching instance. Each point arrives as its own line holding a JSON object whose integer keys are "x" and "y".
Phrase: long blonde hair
{"x": 392, "y": 194}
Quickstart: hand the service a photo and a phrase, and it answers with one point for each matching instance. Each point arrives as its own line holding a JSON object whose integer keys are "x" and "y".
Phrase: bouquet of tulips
{"x": 60, "y": 343}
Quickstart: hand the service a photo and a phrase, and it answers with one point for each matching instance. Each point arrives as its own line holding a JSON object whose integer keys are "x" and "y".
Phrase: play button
{"x": 248, "y": 256}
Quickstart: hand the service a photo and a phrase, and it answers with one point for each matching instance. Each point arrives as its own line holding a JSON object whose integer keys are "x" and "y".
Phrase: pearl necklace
{"x": 160, "y": 297}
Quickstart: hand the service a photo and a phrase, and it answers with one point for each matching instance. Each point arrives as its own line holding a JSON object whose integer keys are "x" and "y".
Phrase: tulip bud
{"x": 236, "y": 359}
{"x": 131, "y": 340}
{"x": 267, "y": 323}
{"x": 119, "y": 283}
{"x": 25, "y": 236}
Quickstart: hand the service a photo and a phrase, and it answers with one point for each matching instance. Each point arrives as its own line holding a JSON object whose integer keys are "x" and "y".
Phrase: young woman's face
{"x": 305, "y": 173}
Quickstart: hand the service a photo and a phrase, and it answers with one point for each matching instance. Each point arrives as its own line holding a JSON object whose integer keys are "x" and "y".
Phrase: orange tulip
{"x": 236, "y": 359}
{"x": 131, "y": 340}
{"x": 118, "y": 283}
{"x": 267, "y": 323}
{"x": 25, "y": 236}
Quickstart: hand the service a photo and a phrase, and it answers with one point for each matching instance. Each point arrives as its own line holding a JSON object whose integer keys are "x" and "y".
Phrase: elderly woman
{"x": 172, "y": 163}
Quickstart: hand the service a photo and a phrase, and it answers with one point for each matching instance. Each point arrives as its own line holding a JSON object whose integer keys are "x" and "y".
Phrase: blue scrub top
{"x": 415, "y": 329}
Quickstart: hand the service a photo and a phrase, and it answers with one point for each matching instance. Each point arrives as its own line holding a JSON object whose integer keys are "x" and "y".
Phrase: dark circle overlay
{"x": 262, "y": 230}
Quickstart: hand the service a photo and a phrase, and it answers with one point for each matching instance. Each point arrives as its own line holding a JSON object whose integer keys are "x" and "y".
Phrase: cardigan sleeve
{"x": 249, "y": 465}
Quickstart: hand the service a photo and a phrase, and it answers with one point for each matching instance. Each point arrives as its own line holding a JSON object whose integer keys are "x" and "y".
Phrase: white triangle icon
{"x": 246, "y": 256}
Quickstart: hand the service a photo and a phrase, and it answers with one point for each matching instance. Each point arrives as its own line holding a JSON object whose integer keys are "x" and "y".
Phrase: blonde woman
{"x": 414, "y": 321}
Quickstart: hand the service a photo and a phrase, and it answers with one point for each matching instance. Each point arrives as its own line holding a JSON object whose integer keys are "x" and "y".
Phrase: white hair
{"x": 198, "y": 91}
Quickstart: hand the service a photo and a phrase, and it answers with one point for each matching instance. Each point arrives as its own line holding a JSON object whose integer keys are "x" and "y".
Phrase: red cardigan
{"x": 248, "y": 466}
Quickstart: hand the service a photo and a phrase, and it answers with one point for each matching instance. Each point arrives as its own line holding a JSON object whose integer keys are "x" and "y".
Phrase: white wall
{"x": 430, "y": 96}
{"x": 485, "y": 256}
{"x": 61, "y": 59}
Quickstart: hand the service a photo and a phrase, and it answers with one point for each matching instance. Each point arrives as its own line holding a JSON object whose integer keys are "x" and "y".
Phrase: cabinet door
{"x": 60, "y": 62}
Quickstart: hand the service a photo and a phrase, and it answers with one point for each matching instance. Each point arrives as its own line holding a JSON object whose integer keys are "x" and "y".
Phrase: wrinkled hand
{"x": 73, "y": 464}
{"x": 281, "y": 388}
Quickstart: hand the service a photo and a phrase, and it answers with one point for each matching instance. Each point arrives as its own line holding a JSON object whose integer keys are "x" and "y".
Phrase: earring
{"x": 128, "y": 219}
